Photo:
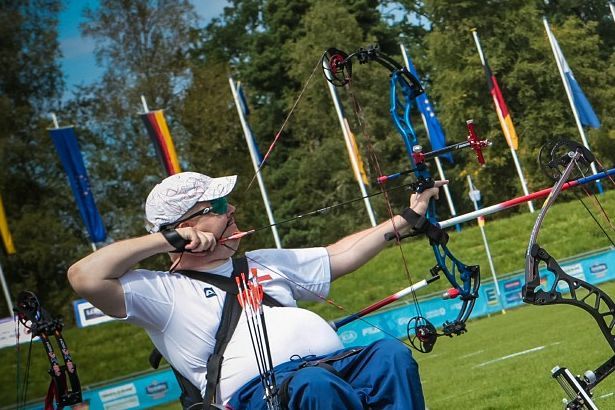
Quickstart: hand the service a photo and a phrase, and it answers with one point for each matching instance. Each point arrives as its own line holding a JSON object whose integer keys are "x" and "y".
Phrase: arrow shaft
{"x": 383, "y": 302}
{"x": 523, "y": 199}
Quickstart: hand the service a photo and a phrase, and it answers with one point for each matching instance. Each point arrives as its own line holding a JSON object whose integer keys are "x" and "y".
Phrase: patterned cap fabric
{"x": 175, "y": 195}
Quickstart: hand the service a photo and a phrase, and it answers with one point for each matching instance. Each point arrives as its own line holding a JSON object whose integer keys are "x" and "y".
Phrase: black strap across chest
{"x": 231, "y": 312}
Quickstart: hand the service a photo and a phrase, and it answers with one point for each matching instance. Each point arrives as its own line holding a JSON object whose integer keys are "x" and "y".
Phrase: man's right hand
{"x": 199, "y": 241}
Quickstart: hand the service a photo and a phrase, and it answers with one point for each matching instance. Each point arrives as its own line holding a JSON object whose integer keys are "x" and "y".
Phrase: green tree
{"x": 41, "y": 212}
{"x": 519, "y": 54}
{"x": 143, "y": 47}
{"x": 274, "y": 47}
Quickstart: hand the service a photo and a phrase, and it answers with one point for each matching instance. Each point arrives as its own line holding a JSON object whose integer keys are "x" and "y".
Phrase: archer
{"x": 185, "y": 310}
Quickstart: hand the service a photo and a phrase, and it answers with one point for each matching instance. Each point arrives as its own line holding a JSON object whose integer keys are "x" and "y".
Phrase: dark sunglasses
{"x": 218, "y": 206}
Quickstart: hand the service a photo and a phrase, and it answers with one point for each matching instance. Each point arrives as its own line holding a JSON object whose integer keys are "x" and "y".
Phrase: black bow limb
{"x": 65, "y": 387}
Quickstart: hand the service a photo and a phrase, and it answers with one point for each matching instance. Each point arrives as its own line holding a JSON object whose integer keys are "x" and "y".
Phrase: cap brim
{"x": 218, "y": 187}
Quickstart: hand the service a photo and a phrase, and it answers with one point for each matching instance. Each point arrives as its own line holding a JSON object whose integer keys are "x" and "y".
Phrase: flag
{"x": 434, "y": 129}
{"x": 4, "y": 231}
{"x": 356, "y": 153}
{"x": 500, "y": 105}
{"x": 587, "y": 116}
{"x": 68, "y": 149}
{"x": 158, "y": 131}
{"x": 243, "y": 103}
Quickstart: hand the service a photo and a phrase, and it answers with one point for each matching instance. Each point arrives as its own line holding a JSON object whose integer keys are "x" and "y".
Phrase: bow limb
{"x": 41, "y": 324}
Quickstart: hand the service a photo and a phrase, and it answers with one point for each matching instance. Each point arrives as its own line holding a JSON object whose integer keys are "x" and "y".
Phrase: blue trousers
{"x": 383, "y": 375}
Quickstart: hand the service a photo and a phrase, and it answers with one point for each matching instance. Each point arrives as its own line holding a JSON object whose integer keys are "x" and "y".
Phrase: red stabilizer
{"x": 450, "y": 294}
{"x": 382, "y": 179}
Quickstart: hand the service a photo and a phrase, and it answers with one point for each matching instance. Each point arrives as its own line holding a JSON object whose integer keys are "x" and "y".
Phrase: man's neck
{"x": 199, "y": 263}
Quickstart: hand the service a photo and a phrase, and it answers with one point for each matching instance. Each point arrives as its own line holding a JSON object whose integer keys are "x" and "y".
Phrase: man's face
{"x": 220, "y": 224}
{"x": 219, "y": 220}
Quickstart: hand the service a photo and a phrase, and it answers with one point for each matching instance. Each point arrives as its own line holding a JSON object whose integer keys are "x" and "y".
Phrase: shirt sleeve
{"x": 290, "y": 275}
{"x": 148, "y": 298}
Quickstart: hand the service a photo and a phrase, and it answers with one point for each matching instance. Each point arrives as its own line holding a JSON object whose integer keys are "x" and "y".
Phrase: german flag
{"x": 158, "y": 131}
{"x": 500, "y": 105}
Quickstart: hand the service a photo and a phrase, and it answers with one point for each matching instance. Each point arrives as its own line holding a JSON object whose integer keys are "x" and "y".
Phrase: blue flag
{"x": 586, "y": 113}
{"x": 68, "y": 149}
{"x": 434, "y": 129}
{"x": 243, "y": 102}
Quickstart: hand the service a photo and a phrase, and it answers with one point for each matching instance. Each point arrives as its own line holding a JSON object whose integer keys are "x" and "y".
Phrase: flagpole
{"x": 577, "y": 119}
{"x": 5, "y": 289}
{"x": 145, "y": 109}
{"x": 255, "y": 162}
{"x": 475, "y": 197}
{"x": 349, "y": 146}
{"x": 447, "y": 192}
{"x": 513, "y": 152}
{"x": 54, "y": 119}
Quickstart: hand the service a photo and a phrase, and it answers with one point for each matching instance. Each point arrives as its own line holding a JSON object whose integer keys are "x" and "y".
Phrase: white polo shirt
{"x": 181, "y": 315}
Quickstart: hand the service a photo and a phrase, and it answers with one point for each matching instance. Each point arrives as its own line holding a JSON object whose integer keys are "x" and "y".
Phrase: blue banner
{"x": 68, "y": 149}
{"x": 434, "y": 129}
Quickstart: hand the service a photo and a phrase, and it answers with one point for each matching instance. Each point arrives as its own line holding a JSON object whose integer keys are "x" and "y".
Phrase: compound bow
{"x": 41, "y": 324}
{"x": 404, "y": 88}
{"x": 562, "y": 159}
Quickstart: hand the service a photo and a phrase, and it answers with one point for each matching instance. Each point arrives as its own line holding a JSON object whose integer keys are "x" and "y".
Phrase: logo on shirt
{"x": 209, "y": 292}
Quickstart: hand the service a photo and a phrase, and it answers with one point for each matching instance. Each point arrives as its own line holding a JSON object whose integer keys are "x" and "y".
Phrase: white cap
{"x": 175, "y": 195}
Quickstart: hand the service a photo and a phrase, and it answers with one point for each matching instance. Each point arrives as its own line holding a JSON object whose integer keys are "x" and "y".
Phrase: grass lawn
{"x": 466, "y": 372}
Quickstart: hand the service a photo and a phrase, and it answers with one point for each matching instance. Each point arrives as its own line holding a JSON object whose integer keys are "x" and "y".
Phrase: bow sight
{"x": 41, "y": 324}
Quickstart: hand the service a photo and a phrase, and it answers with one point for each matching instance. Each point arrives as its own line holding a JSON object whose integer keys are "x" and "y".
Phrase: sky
{"x": 78, "y": 62}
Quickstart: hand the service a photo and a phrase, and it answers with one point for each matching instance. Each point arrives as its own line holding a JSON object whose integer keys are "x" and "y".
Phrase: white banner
{"x": 7, "y": 333}
{"x": 87, "y": 315}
